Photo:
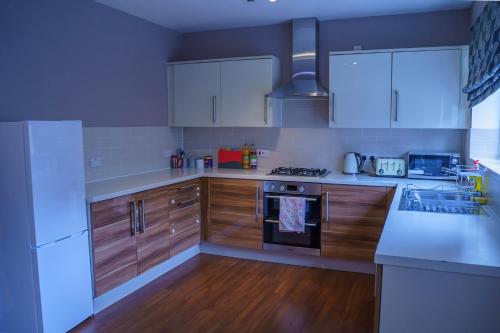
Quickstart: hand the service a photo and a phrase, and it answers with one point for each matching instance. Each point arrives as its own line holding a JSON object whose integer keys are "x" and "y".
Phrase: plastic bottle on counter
{"x": 253, "y": 157}
{"x": 246, "y": 156}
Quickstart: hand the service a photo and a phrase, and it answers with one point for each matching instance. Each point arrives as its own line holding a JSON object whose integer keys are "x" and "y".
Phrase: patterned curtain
{"x": 484, "y": 55}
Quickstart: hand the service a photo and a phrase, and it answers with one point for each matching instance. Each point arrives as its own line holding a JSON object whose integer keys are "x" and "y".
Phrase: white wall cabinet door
{"x": 196, "y": 94}
{"x": 244, "y": 85}
{"x": 426, "y": 89}
{"x": 360, "y": 90}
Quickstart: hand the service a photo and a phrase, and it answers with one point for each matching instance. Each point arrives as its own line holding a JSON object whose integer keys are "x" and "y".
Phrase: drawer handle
{"x": 277, "y": 222}
{"x": 185, "y": 202}
{"x": 182, "y": 188}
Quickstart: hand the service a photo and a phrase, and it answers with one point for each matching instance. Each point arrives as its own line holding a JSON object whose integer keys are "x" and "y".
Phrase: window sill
{"x": 492, "y": 164}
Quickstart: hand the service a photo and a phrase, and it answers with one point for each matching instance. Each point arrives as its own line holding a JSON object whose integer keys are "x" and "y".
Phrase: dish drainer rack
{"x": 467, "y": 176}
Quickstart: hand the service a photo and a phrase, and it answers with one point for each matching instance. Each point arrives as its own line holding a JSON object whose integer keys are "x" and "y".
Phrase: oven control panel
{"x": 292, "y": 187}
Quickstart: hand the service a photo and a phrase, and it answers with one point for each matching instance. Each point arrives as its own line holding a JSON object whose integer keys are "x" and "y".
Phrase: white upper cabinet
{"x": 244, "y": 85}
{"x": 426, "y": 89}
{"x": 195, "y": 94}
{"x": 360, "y": 88}
{"x": 224, "y": 92}
{"x": 404, "y": 88}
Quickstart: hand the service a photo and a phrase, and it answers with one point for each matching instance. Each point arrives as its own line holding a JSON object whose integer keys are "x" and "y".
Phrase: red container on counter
{"x": 230, "y": 159}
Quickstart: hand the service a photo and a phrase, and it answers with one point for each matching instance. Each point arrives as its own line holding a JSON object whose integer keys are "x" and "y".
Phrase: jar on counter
{"x": 209, "y": 163}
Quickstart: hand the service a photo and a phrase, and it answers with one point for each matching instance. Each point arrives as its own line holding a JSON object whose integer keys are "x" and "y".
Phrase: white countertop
{"x": 112, "y": 188}
{"x": 456, "y": 243}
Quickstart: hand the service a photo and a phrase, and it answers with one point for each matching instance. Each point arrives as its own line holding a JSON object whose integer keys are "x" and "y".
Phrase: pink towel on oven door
{"x": 292, "y": 214}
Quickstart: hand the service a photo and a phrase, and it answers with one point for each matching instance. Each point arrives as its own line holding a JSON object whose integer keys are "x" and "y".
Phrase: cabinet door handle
{"x": 214, "y": 108}
{"x": 133, "y": 210}
{"x": 257, "y": 202}
{"x": 333, "y": 107}
{"x": 266, "y": 101}
{"x": 327, "y": 210}
{"x": 396, "y": 105}
{"x": 143, "y": 215}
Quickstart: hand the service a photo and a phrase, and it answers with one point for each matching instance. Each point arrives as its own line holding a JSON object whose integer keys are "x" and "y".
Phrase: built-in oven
{"x": 307, "y": 242}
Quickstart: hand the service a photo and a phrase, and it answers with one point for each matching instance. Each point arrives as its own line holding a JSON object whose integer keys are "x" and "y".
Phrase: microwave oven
{"x": 432, "y": 165}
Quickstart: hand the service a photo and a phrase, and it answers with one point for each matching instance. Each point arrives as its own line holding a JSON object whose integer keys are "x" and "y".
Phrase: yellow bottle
{"x": 246, "y": 157}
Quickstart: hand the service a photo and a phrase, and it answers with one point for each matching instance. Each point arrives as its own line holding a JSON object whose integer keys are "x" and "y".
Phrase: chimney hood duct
{"x": 304, "y": 83}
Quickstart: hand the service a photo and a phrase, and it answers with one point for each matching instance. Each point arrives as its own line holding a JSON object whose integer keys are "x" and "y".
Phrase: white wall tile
{"x": 321, "y": 147}
{"x": 128, "y": 150}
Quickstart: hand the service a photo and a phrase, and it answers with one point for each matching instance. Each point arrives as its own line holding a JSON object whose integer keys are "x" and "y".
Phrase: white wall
{"x": 321, "y": 147}
{"x": 128, "y": 150}
{"x": 476, "y": 9}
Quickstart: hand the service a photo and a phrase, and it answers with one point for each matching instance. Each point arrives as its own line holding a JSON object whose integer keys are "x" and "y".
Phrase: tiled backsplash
{"x": 128, "y": 150}
{"x": 322, "y": 147}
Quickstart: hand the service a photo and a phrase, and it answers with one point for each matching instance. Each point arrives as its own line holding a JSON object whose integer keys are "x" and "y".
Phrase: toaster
{"x": 390, "y": 167}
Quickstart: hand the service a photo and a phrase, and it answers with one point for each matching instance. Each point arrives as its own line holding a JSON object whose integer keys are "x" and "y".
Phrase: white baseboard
{"x": 289, "y": 259}
{"x": 125, "y": 289}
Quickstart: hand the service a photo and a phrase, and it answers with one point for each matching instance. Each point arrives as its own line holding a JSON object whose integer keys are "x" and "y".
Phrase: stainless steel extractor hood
{"x": 304, "y": 83}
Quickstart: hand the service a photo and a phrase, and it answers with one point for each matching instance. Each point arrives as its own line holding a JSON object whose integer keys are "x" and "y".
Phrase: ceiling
{"x": 201, "y": 15}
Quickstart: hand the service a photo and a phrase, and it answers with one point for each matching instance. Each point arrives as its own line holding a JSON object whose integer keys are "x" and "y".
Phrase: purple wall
{"x": 395, "y": 31}
{"x": 77, "y": 59}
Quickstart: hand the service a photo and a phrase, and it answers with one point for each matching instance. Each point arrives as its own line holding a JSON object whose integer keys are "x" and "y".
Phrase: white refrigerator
{"x": 45, "y": 271}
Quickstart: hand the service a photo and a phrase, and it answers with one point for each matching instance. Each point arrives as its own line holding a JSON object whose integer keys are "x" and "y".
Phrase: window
{"x": 484, "y": 143}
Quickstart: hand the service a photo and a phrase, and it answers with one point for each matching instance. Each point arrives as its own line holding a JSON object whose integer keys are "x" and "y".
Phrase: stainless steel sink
{"x": 439, "y": 201}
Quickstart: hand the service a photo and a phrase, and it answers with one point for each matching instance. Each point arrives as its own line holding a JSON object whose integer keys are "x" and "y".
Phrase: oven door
{"x": 310, "y": 238}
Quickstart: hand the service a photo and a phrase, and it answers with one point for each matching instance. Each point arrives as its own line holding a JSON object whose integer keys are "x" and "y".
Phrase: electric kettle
{"x": 352, "y": 163}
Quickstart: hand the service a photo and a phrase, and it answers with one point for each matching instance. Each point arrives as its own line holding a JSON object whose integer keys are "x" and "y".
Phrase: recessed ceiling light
{"x": 272, "y": 0}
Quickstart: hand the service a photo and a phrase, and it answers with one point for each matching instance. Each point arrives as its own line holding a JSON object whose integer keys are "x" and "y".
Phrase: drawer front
{"x": 185, "y": 229}
{"x": 183, "y": 240}
{"x": 183, "y": 195}
{"x": 186, "y": 216}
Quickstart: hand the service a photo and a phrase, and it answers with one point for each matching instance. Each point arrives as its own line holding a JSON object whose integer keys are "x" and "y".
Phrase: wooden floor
{"x": 220, "y": 294}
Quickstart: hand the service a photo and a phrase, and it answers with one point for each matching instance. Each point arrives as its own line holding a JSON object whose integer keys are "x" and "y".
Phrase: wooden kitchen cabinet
{"x": 130, "y": 234}
{"x": 184, "y": 215}
{"x": 353, "y": 220}
{"x": 235, "y": 212}
{"x": 153, "y": 243}
{"x": 114, "y": 243}
{"x": 224, "y": 92}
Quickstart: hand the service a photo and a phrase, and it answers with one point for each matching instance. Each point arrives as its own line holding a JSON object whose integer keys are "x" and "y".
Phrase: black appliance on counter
{"x": 307, "y": 242}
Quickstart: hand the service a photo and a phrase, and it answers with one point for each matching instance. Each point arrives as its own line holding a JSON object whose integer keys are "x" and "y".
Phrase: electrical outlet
{"x": 96, "y": 162}
{"x": 263, "y": 152}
